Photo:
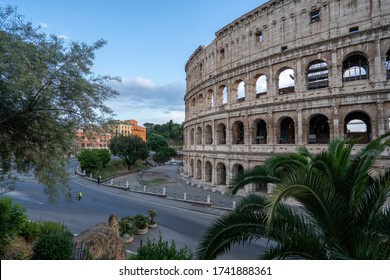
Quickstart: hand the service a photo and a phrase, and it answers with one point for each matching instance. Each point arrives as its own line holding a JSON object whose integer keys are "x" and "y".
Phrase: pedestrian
{"x": 80, "y": 195}
{"x": 98, "y": 180}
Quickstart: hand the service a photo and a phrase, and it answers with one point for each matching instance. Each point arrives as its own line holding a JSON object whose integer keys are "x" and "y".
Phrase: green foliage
{"x": 52, "y": 227}
{"x": 141, "y": 221}
{"x": 127, "y": 226}
{"x": 129, "y": 148}
{"x": 161, "y": 250}
{"x": 54, "y": 246}
{"x": 322, "y": 206}
{"x": 152, "y": 215}
{"x": 12, "y": 219}
{"x": 31, "y": 231}
{"x": 165, "y": 154}
{"x": 47, "y": 91}
{"x": 92, "y": 159}
{"x": 156, "y": 142}
{"x": 171, "y": 132}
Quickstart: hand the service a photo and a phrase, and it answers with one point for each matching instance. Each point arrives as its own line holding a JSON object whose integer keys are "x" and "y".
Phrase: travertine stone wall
{"x": 288, "y": 73}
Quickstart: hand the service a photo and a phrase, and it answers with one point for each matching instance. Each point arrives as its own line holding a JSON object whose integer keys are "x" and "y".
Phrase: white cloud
{"x": 145, "y": 101}
{"x": 43, "y": 25}
{"x": 63, "y": 37}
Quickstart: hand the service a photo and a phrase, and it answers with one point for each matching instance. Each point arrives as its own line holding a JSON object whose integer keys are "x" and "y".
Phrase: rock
{"x": 103, "y": 241}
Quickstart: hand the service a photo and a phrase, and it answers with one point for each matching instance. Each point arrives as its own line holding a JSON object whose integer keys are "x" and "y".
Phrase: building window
{"x": 283, "y": 48}
{"x": 354, "y": 29}
{"x": 355, "y": 68}
{"x": 315, "y": 16}
{"x": 317, "y": 75}
{"x": 259, "y": 36}
{"x": 222, "y": 53}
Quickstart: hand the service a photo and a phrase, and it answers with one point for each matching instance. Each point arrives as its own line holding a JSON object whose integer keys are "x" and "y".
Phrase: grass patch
{"x": 116, "y": 167}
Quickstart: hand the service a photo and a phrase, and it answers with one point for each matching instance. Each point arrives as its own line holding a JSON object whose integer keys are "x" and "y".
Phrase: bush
{"x": 31, "y": 231}
{"x": 161, "y": 250}
{"x": 52, "y": 227}
{"x": 12, "y": 220}
{"x": 54, "y": 246}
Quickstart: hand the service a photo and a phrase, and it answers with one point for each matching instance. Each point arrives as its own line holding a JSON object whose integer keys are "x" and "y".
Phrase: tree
{"x": 156, "y": 142}
{"x": 91, "y": 159}
{"x": 165, "y": 154}
{"x": 47, "y": 91}
{"x": 323, "y": 206}
{"x": 129, "y": 148}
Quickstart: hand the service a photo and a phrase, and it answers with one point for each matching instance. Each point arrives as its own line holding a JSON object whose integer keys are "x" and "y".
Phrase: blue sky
{"x": 148, "y": 44}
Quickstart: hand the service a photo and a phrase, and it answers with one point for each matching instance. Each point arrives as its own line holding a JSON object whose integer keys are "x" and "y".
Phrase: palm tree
{"x": 329, "y": 205}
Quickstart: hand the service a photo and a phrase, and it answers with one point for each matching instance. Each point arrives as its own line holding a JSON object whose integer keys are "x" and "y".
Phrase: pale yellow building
{"x": 126, "y": 128}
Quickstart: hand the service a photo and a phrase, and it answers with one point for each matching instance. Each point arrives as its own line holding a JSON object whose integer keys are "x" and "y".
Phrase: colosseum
{"x": 286, "y": 74}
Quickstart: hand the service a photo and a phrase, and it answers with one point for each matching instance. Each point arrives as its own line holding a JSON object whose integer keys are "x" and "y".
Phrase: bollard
{"x": 144, "y": 188}
{"x": 234, "y": 205}
{"x": 112, "y": 182}
{"x": 208, "y": 199}
{"x": 127, "y": 184}
{"x": 164, "y": 190}
{"x": 90, "y": 175}
{"x": 185, "y": 196}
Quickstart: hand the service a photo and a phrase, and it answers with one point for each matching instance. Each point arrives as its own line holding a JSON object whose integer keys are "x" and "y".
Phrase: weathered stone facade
{"x": 288, "y": 73}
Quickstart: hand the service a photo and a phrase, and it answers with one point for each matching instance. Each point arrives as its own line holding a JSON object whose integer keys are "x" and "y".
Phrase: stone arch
{"x": 317, "y": 75}
{"x": 236, "y": 170}
{"x": 198, "y": 170}
{"x": 238, "y": 132}
{"x": 355, "y": 67}
{"x": 221, "y": 133}
{"x": 287, "y": 131}
{"x": 199, "y": 136}
{"x": 286, "y": 81}
{"x": 259, "y": 132}
{"x": 221, "y": 174}
{"x": 260, "y": 85}
{"x": 319, "y": 131}
{"x": 192, "y": 136}
{"x": 222, "y": 95}
{"x": 200, "y": 103}
{"x": 238, "y": 90}
{"x": 209, "y": 99}
{"x": 357, "y": 126}
{"x": 208, "y": 168}
{"x": 193, "y": 105}
{"x": 208, "y": 135}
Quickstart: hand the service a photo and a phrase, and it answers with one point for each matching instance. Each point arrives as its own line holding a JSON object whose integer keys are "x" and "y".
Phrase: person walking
{"x": 98, "y": 179}
{"x": 80, "y": 195}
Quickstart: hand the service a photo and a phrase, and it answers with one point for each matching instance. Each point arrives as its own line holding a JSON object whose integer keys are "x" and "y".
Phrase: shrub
{"x": 161, "y": 250}
{"x": 127, "y": 226}
{"x": 52, "y": 227}
{"x": 54, "y": 246}
{"x": 31, "y": 231}
{"x": 12, "y": 220}
{"x": 141, "y": 221}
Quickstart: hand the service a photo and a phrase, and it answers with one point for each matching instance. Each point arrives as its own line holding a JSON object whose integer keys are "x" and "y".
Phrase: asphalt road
{"x": 175, "y": 221}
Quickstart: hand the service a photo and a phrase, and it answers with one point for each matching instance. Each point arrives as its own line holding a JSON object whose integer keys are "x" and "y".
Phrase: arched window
{"x": 192, "y": 136}
{"x": 355, "y": 68}
{"x": 199, "y": 136}
{"x": 259, "y": 128}
{"x": 224, "y": 96}
{"x": 238, "y": 133}
{"x": 387, "y": 65}
{"x": 261, "y": 86}
{"x": 317, "y": 75}
{"x": 287, "y": 131}
{"x": 208, "y": 135}
{"x": 209, "y": 99}
{"x": 358, "y": 127}
{"x": 319, "y": 131}
{"x": 198, "y": 169}
{"x": 241, "y": 91}
{"x": 237, "y": 170}
{"x": 221, "y": 174}
{"x": 286, "y": 81}
{"x": 208, "y": 168}
{"x": 221, "y": 134}
{"x": 200, "y": 103}
{"x": 193, "y": 106}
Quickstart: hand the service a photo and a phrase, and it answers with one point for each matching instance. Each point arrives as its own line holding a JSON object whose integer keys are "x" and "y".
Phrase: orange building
{"x": 127, "y": 127}
{"x": 87, "y": 139}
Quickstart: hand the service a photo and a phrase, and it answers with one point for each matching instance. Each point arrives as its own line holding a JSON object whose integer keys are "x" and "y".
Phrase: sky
{"x": 148, "y": 44}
